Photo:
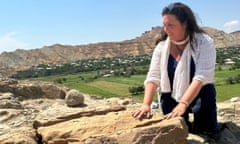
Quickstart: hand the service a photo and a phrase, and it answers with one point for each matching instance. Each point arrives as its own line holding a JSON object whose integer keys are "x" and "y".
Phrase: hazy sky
{"x": 30, "y": 24}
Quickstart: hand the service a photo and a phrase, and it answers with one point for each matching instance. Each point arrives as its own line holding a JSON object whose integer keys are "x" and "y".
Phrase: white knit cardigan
{"x": 204, "y": 56}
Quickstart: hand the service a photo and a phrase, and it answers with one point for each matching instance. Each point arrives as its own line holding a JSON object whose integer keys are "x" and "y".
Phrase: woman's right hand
{"x": 143, "y": 112}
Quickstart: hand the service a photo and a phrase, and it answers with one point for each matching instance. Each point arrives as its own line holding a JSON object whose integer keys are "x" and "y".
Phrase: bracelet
{"x": 184, "y": 103}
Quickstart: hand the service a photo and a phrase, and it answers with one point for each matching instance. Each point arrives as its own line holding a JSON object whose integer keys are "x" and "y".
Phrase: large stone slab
{"x": 117, "y": 127}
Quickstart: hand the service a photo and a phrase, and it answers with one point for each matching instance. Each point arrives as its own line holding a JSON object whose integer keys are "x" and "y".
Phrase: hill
{"x": 10, "y": 62}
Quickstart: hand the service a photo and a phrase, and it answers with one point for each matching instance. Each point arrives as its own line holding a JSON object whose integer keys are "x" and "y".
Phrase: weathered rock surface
{"x": 74, "y": 98}
{"x": 31, "y": 90}
{"x": 47, "y": 118}
{"x": 117, "y": 126}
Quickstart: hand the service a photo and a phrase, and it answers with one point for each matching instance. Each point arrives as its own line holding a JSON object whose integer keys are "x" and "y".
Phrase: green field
{"x": 221, "y": 76}
{"x": 118, "y": 86}
{"x": 226, "y": 91}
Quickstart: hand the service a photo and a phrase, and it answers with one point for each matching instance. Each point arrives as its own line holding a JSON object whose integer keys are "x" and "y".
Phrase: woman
{"x": 182, "y": 70}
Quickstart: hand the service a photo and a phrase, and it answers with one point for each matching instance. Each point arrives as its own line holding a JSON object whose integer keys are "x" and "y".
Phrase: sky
{"x": 31, "y": 24}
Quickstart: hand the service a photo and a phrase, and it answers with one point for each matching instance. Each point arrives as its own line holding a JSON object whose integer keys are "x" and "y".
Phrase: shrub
{"x": 230, "y": 80}
{"x": 237, "y": 79}
{"x": 136, "y": 90}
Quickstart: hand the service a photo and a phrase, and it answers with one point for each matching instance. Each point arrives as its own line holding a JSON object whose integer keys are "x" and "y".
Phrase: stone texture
{"x": 31, "y": 90}
{"x": 74, "y": 98}
{"x": 172, "y": 131}
{"x": 118, "y": 127}
{"x": 8, "y": 100}
{"x": 48, "y": 119}
{"x": 21, "y": 135}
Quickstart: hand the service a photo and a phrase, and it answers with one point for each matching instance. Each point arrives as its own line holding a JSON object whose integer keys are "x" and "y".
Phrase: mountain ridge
{"x": 11, "y": 62}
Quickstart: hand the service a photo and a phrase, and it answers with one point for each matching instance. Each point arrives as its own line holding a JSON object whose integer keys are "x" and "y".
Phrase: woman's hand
{"x": 179, "y": 110}
{"x": 143, "y": 112}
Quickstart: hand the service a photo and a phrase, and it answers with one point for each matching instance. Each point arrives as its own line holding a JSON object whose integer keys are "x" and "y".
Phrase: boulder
{"x": 74, "y": 98}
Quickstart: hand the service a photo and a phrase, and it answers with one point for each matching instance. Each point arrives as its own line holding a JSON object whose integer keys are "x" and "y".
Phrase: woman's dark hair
{"x": 185, "y": 15}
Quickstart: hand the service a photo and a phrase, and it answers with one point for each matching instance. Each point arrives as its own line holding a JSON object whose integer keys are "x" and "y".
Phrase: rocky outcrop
{"x": 48, "y": 119}
{"x": 31, "y": 90}
{"x": 236, "y": 34}
{"x": 222, "y": 39}
{"x": 117, "y": 126}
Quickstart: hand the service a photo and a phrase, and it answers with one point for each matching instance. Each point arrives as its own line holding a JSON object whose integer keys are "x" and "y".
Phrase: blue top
{"x": 172, "y": 65}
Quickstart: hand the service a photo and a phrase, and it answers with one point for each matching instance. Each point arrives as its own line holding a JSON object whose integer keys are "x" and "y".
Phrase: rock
{"x": 8, "y": 100}
{"x": 5, "y": 84}
{"x": 28, "y": 90}
{"x": 117, "y": 127}
{"x": 229, "y": 134}
{"x": 172, "y": 131}
{"x": 74, "y": 98}
{"x": 101, "y": 140}
{"x": 234, "y": 99}
{"x": 23, "y": 135}
{"x": 6, "y": 95}
{"x": 6, "y": 103}
{"x": 195, "y": 139}
{"x": 45, "y": 118}
{"x": 59, "y": 113}
{"x": 53, "y": 91}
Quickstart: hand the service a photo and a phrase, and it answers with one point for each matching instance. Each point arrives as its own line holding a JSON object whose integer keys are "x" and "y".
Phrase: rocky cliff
{"x": 57, "y": 54}
{"x": 41, "y": 112}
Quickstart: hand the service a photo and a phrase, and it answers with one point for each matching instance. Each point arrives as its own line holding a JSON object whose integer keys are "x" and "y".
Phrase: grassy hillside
{"x": 118, "y": 86}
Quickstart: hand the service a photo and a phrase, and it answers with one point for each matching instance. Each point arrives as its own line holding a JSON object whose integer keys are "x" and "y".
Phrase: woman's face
{"x": 174, "y": 29}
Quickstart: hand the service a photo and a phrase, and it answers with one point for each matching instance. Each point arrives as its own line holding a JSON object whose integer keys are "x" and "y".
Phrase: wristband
{"x": 185, "y": 103}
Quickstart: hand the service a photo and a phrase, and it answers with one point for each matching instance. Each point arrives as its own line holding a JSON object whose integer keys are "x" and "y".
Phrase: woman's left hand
{"x": 179, "y": 110}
